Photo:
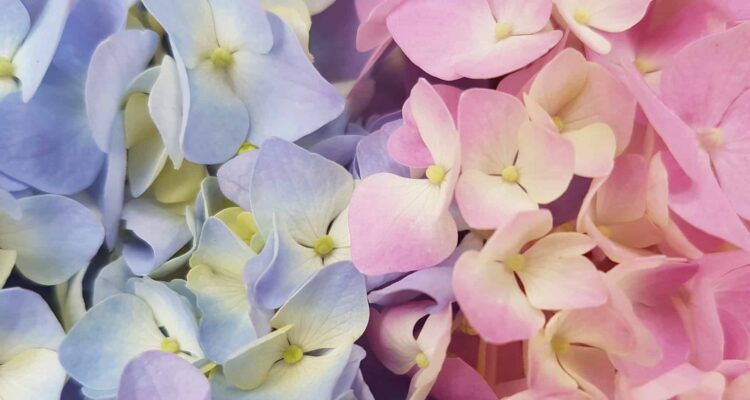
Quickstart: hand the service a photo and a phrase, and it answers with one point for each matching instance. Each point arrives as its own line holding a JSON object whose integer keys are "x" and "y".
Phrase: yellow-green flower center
{"x": 503, "y": 30}
{"x": 293, "y": 354}
{"x": 559, "y": 123}
{"x": 221, "y": 57}
{"x": 170, "y": 345}
{"x": 7, "y": 70}
{"x": 324, "y": 245}
{"x": 560, "y": 345}
{"x": 435, "y": 174}
{"x": 643, "y": 66}
{"x": 582, "y": 16}
{"x": 711, "y": 138}
{"x": 516, "y": 262}
{"x": 510, "y": 174}
{"x": 422, "y": 361}
{"x": 245, "y": 147}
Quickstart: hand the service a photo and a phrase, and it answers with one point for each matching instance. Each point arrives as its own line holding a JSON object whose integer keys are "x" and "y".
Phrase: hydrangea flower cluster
{"x": 374, "y": 199}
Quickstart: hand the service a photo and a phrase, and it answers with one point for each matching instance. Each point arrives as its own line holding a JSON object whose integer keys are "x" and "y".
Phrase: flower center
{"x": 221, "y": 57}
{"x": 559, "y": 123}
{"x": 324, "y": 245}
{"x": 510, "y": 174}
{"x": 293, "y": 354}
{"x": 516, "y": 262}
{"x": 7, "y": 70}
{"x": 605, "y": 230}
{"x": 643, "y": 66}
{"x": 422, "y": 361}
{"x": 560, "y": 345}
{"x": 245, "y": 147}
{"x": 582, "y": 16}
{"x": 170, "y": 345}
{"x": 435, "y": 174}
{"x": 711, "y": 138}
{"x": 503, "y": 30}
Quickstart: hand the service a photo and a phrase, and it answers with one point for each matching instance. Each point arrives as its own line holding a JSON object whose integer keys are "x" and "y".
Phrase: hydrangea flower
{"x": 552, "y": 271}
{"x": 391, "y": 215}
{"x": 236, "y": 65}
{"x": 309, "y": 346}
{"x": 29, "y": 37}
{"x": 47, "y": 237}
{"x": 30, "y": 336}
{"x": 151, "y": 316}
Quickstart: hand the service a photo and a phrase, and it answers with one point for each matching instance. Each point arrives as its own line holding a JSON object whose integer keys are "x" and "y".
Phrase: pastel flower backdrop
{"x": 374, "y": 199}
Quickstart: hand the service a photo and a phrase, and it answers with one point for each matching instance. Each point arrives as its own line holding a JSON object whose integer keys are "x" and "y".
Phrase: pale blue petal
{"x": 111, "y": 280}
{"x": 171, "y": 311}
{"x": 10, "y": 184}
{"x": 35, "y": 54}
{"x": 235, "y": 177}
{"x": 46, "y": 143}
{"x": 111, "y": 334}
{"x": 281, "y": 268}
{"x": 209, "y": 201}
{"x": 313, "y": 376}
{"x": 159, "y": 232}
{"x": 26, "y": 322}
{"x": 217, "y": 121}
{"x": 216, "y": 280}
{"x": 283, "y": 82}
{"x": 189, "y": 24}
{"x": 156, "y": 375}
{"x": 9, "y": 205}
{"x": 339, "y": 149}
{"x": 351, "y": 370}
{"x": 90, "y": 22}
{"x": 116, "y": 62}
{"x": 220, "y": 249}
{"x": 435, "y": 282}
{"x": 303, "y": 190}
{"x": 33, "y": 374}
{"x": 54, "y": 238}
{"x": 109, "y": 188}
{"x": 249, "y": 367}
{"x": 372, "y": 153}
{"x": 242, "y": 25}
{"x": 165, "y": 106}
{"x": 14, "y": 25}
{"x": 329, "y": 311}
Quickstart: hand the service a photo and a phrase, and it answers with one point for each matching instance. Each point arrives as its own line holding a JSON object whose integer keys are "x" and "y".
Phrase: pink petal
{"x": 559, "y": 282}
{"x": 398, "y": 224}
{"x": 391, "y": 335}
{"x": 487, "y": 201}
{"x": 527, "y": 16}
{"x": 545, "y": 163}
{"x": 545, "y": 374}
{"x": 433, "y": 341}
{"x": 435, "y": 124}
{"x": 458, "y": 380}
{"x": 591, "y": 368}
{"x": 373, "y": 31}
{"x": 703, "y": 79}
{"x": 507, "y": 55}
{"x": 492, "y": 301}
{"x": 607, "y": 15}
{"x": 622, "y": 197}
{"x": 406, "y": 144}
{"x": 595, "y": 147}
{"x": 523, "y": 228}
{"x": 488, "y": 123}
{"x": 732, "y": 158}
{"x": 436, "y": 33}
